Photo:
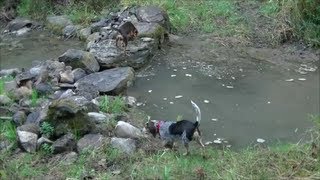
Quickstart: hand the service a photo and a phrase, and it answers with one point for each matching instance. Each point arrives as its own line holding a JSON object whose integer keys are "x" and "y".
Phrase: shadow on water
{"x": 240, "y": 102}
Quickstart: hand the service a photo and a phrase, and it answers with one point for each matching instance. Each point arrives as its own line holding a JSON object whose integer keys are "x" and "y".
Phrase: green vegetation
{"x": 48, "y": 149}
{"x": 80, "y": 12}
{"x": 219, "y": 17}
{"x": 34, "y": 98}
{"x": 8, "y": 131}
{"x": 300, "y": 18}
{"x": 46, "y": 129}
{"x": 116, "y": 105}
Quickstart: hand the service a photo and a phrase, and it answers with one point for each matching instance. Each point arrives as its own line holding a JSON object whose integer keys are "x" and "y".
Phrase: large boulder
{"x": 70, "y": 114}
{"x": 112, "y": 81}
{"x": 57, "y": 23}
{"x": 153, "y": 14}
{"x": 20, "y": 23}
{"x": 108, "y": 55}
{"x": 153, "y": 30}
{"x": 80, "y": 59}
{"x": 84, "y": 33}
{"x": 125, "y": 145}
{"x": 126, "y": 130}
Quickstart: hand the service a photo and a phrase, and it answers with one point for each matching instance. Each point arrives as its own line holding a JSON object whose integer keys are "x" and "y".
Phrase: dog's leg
{"x": 186, "y": 145}
{"x": 198, "y": 138}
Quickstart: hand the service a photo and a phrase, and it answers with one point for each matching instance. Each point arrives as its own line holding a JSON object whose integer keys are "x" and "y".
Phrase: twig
{"x": 5, "y": 118}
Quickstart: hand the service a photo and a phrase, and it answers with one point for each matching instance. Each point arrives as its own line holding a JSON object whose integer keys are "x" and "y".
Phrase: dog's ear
{"x": 152, "y": 128}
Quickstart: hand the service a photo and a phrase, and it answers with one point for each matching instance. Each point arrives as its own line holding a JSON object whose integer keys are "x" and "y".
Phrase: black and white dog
{"x": 185, "y": 130}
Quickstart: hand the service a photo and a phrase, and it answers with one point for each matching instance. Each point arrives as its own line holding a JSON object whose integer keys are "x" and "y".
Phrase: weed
{"x": 2, "y": 91}
{"x": 115, "y": 106}
{"x": 37, "y": 9}
{"x": 179, "y": 117}
{"x": 302, "y": 16}
{"x": 8, "y": 131}
{"x": 34, "y": 98}
{"x": 46, "y": 129}
{"x": 48, "y": 149}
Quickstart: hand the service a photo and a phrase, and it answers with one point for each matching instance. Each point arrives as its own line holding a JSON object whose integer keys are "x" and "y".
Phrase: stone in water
{"x": 188, "y": 75}
{"x": 179, "y": 96}
{"x": 289, "y": 80}
{"x": 149, "y": 91}
{"x": 217, "y": 141}
{"x": 259, "y": 140}
{"x": 206, "y": 101}
{"x": 171, "y": 102}
{"x": 165, "y": 99}
{"x": 229, "y": 87}
{"x": 214, "y": 119}
{"x": 173, "y": 75}
{"x": 302, "y": 79}
{"x": 208, "y": 142}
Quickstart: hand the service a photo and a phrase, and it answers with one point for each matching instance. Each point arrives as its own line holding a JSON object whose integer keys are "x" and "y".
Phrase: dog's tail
{"x": 197, "y": 109}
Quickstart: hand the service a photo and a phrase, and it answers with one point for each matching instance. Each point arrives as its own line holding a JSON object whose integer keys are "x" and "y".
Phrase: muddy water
{"x": 23, "y": 52}
{"x": 241, "y": 99}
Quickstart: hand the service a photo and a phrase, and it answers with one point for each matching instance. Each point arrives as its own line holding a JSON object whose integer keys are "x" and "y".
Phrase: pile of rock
{"x": 74, "y": 81}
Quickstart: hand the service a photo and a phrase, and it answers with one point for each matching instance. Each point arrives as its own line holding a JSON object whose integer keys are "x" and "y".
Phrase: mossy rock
{"x": 70, "y": 115}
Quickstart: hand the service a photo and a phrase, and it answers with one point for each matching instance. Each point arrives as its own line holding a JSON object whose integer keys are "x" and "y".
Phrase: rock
{"x": 22, "y": 78}
{"x": 57, "y": 23}
{"x": 71, "y": 115}
{"x": 22, "y": 92}
{"x": 78, "y": 74}
{"x": 153, "y": 30}
{"x": 88, "y": 91}
{"x": 33, "y": 128}
{"x": 20, "y": 23}
{"x": 153, "y": 14}
{"x": 126, "y": 130}
{"x": 10, "y": 86}
{"x": 130, "y": 101}
{"x": 126, "y": 145}
{"x": 9, "y": 72}
{"x": 96, "y": 27}
{"x": 91, "y": 141}
{"x": 80, "y": 59}
{"x": 260, "y": 140}
{"x": 109, "y": 81}
{"x": 5, "y": 145}
{"x": 43, "y": 140}
{"x": 22, "y": 31}
{"x": 93, "y": 37}
{"x": 54, "y": 68}
{"x": 69, "y": 158}
{"x": 19, "y": 118}
{"x": 84, "y": 33}
{"x": 108, "y": 55}
{"x": 63, "y": 94}
{"x": 27, "y": 140}
{"x": 99, "y": 118}
{"x": 70, "y": 31}
{"x": 44, "y": 88}
{"x": 64, "y": 144}
{"x": 34, "y": 117}
{"x": 67, "y": 76}
{"x": 4, "y": 99}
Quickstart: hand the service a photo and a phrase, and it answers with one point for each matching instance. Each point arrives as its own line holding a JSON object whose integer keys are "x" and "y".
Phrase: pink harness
{"x": 159, "y": 123}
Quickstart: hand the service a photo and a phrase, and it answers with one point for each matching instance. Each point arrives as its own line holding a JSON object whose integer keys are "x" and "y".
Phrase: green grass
{"x": 302, "y": 16}
{"x": 8, "y": 131}
{"x": 114, "y": 106}
{"x": 219, "y": 17}
{"x": 34, "y": 98}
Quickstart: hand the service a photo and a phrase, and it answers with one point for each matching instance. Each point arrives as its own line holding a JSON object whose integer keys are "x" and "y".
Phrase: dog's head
{"x": 151, "y": 127}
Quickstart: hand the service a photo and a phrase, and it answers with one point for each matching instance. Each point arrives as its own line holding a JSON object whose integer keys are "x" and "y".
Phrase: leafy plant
{"x": 48, "y": 149}
{"x": 47, "y": 129}
{"x": 116, "y": 105}
{"x": 8, "y": 130}
{"x": 34, "y": 98}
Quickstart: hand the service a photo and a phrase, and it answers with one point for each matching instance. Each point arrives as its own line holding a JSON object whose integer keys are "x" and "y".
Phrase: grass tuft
{"x": 115, "y": 106}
